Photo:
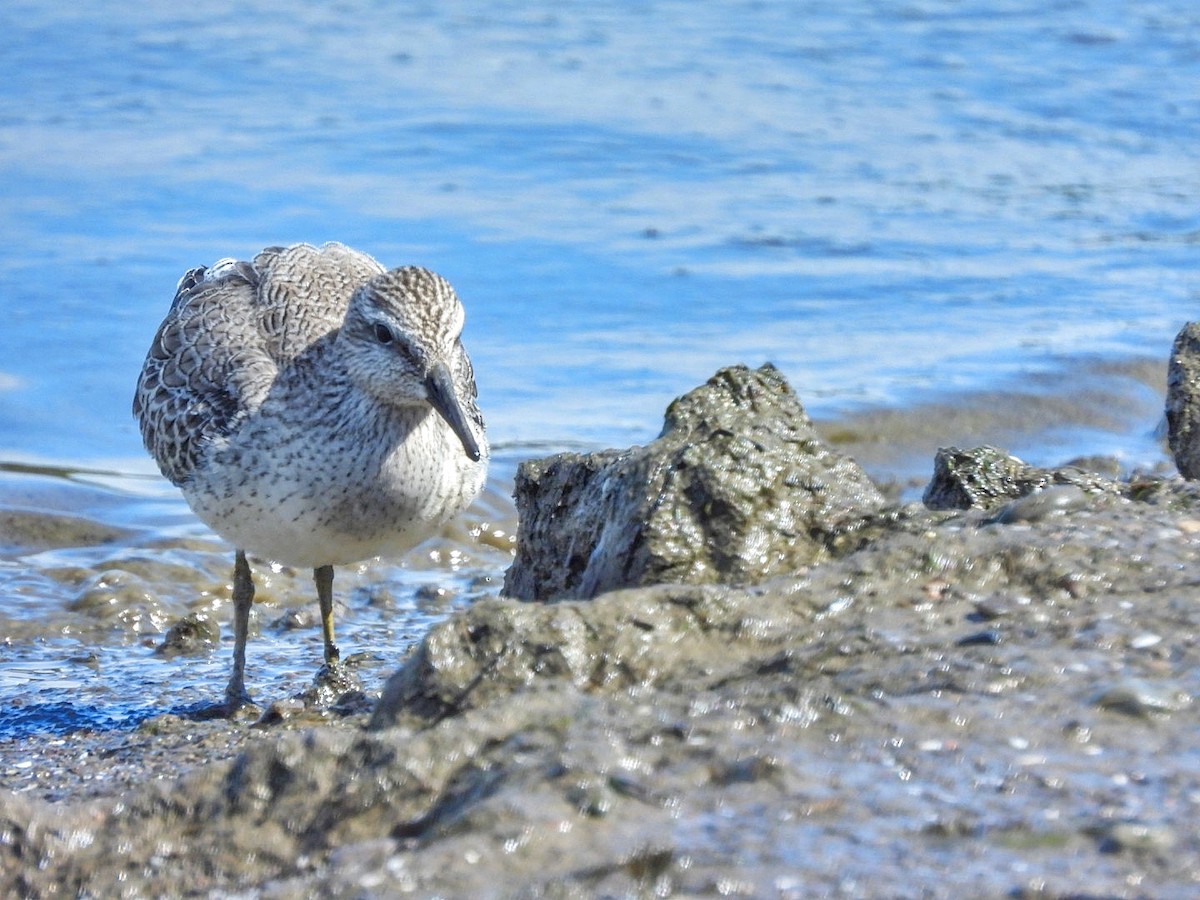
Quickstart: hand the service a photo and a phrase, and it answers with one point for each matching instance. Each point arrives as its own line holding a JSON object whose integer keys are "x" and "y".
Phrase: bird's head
{"x": 402, "y": 345}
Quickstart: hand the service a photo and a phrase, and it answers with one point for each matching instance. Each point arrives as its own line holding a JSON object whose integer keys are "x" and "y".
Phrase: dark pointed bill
{"x": 439, "y": 385}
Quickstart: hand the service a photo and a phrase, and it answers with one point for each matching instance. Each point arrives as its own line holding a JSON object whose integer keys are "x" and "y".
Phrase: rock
{"x": 1108, "y": 466}
{"x": 736, "y": 489}
{"x": 1137, "y": 837}
{"x": 195, "y": 633}
{"x": 1183, "y": 401}
{"x": 1042, "y": 504}
{"x": 1139, "y": 698}
{"x": 34, "y": 530}
{"x": 625, "y": 640}
{"x": 986, "y": 477}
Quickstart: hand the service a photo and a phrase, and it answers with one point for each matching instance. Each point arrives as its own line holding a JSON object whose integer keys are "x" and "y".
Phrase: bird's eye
{"x": 383, "y": 334}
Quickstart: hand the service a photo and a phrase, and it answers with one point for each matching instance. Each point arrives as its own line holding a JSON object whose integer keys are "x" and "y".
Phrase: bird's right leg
{"x": 323, "y": 576}
{"x": 243, "y": 599}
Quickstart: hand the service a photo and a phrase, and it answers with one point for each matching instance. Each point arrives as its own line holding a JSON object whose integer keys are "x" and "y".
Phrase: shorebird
{"x": 315, "y": 409}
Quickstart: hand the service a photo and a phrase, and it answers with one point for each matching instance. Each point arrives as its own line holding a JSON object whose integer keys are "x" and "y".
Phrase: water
{"x": 896, "y": 203}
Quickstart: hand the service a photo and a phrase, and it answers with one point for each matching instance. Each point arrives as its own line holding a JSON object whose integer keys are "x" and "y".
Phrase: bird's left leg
{"x": 323, "y": 576}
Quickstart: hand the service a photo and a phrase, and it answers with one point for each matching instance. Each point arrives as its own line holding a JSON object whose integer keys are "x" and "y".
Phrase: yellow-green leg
{"x": 243, "y": 599}
{"x": 323, "y": 576}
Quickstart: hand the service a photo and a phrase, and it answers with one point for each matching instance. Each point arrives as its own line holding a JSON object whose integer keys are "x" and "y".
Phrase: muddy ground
{"x": 988, "y": 702}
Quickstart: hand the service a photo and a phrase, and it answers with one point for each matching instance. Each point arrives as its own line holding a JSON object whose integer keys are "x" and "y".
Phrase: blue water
{"x": 887, "y": 200}
{"x": 892, "y": 201}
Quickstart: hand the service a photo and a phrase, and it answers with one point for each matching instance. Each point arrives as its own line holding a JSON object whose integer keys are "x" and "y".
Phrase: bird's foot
{"x": 333, "y": 656}
{"x": 333, "y": 685}
{"x": 237, "y": 703}
{"x": 229, "y": 708}
{"x": 335, "y": 676}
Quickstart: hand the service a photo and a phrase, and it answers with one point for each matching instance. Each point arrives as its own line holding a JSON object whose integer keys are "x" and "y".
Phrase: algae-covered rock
{"x": 1183, "y": 401}
{"x": 985, "y": 477}
{"x": 737, "y": 488}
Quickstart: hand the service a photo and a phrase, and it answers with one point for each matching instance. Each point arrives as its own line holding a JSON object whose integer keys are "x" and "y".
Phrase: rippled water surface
{"x": 894, "y": 202}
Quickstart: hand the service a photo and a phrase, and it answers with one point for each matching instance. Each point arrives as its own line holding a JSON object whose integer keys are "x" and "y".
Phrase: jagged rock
{"x": 736, "y": 489}
{"x": 985, "y": 477}
{"x": 1183, "y": 401}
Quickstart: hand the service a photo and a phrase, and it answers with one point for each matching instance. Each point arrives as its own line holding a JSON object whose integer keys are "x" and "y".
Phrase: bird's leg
{"x": 243, "y": 599}
{"x": 323, "y": 576}
{"x": 334, "y": 683}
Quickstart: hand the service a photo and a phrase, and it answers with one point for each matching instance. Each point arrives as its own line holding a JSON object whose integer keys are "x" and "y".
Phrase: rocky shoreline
{"x": 737, "y": 670}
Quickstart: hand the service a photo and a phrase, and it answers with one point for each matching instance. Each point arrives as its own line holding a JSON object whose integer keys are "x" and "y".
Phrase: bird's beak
{"x": 439, "y": 386}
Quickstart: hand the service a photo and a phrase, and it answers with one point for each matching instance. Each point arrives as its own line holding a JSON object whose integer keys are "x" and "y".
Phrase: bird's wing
{"x": 230, "y": 329}
{"x": 205, "y": 367}
{"x": 303, "y": 292}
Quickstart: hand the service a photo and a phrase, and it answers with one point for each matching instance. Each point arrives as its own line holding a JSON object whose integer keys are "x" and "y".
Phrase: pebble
{"x": 1138, "y": 698}
{"x": 1041, "y": 505}
{"x": 987, "y": 638}
{"x": 1137, "y": 836}
{"x": 281, "y": 711}
{"x": 194, "y": 633}
{"x": 991, "y": 608}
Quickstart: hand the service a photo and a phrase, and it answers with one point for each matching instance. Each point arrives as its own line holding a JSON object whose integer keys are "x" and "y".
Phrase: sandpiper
{"x": 316, "y": 410}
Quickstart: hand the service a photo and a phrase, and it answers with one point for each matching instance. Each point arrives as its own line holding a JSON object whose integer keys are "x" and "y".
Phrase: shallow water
{"x": 89, "y": 595}
{"x": 901, "y": 205}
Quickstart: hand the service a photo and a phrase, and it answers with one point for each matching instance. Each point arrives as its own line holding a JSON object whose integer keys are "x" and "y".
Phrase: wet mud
{"x": 994, "y": 701}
